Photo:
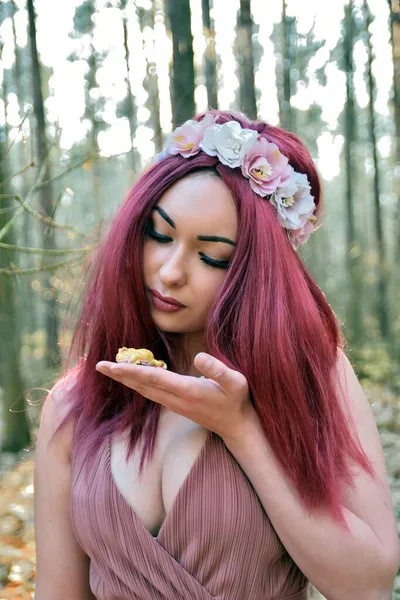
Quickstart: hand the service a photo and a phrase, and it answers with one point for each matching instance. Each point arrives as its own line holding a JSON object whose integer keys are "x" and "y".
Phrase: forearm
{"x": 342, "y": 565}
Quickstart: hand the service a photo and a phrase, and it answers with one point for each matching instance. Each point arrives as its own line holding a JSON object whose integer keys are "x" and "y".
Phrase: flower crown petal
{"x": 261, "y": 162}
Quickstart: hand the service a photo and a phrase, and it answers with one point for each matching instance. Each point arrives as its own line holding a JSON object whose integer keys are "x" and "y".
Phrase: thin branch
{"x": 11, "y": 222}
{"x": 46, "y": 220}
{"x": 67, "y": 170}
{"x": 4, "y": 211}
{"x": 31, "y": 164}
{"x": 47, "y": 252}
{"x": 19, "y": 131}
{"x": 16, "y": 271}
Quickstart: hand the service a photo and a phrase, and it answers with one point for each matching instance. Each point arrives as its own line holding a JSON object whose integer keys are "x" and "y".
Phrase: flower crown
{"x": 260, "y": 161}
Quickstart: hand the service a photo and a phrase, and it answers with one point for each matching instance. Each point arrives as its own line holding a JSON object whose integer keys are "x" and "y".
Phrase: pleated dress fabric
{"x": 215, "y": 542}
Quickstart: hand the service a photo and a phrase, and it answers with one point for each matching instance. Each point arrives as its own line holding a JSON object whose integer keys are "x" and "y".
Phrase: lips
{"x": 167, "y": 299}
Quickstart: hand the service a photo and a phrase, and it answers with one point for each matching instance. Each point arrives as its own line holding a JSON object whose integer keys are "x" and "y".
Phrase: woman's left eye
{"x": 219, "y": 264}
{"x": 163, "y": 239}
{"x": 157, "y": 236}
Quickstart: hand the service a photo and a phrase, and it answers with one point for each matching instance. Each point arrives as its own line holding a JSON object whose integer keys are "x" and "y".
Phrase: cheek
{"x": 149, "y": 258}
{"x": 208, "y": 285}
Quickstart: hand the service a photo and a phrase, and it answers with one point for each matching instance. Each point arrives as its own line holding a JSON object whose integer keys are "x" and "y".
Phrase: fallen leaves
{"x": 17, "y": 541}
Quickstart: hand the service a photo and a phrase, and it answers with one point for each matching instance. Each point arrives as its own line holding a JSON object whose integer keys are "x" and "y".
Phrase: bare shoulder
{"x": 54, "y": 410}
{"x": 61, "y": 563}
{"x": 371, "y": 499}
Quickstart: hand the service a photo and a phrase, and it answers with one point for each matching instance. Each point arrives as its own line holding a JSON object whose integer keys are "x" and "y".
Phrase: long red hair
{"x": 270, "y": 321}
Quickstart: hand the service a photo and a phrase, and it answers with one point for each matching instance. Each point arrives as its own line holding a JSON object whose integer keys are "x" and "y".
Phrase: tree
{"x": 285, "y": 87}
{"x": 383, "y": 303}
{"x": 210, "y": 57}
{"x": 128, "y": 107}
{"x": 394, "y": 9}
{"x": 150, "y": 83}
{"x": 53, "y": 356}
{"x": 182, "y": 68}
{"x": 16, "y": 430}
{"x": 353, "y": 253}
{"x": 94, "y": 102}
{"x": 245, "y": 26}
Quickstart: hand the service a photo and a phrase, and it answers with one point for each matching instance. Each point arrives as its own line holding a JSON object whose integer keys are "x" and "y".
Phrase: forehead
{"x": 201, "y": 201}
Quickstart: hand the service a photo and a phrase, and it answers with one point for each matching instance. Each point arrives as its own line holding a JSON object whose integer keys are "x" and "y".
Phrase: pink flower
{"x": 298, "y": 237}
{"x": 264, "y": 166}
{"x": 185, "y": 140}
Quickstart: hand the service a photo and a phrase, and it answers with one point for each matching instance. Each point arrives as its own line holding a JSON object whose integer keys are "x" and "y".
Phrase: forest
{"x": 89, "y": 93}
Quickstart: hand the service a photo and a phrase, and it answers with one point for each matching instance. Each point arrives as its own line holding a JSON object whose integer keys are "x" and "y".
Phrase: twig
{"x": 46, "y": 220}
{"x": 4, "y": 211}
{"x": 31, "y": 164}
{"x": 19, "y": 130}
{"x": 67, "y": 170}
{"x": 49, "y": 252}
{"x": 13, "y": 220}
{"x": 16, "y": 271}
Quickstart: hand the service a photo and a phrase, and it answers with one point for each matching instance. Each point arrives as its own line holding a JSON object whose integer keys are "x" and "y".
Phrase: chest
{"x": 151, "y": 495}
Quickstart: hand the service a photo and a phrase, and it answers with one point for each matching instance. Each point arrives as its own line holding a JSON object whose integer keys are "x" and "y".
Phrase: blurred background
{"x": 89, "y": 92}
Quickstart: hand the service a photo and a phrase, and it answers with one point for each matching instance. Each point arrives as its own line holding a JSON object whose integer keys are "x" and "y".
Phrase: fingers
{"x": 161, "y": 396}
{"x": 136, "y": 376}
{"x": 215, "y": 369}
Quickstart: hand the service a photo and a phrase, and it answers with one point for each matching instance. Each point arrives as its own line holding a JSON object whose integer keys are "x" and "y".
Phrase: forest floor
{"x": 17, "y": 543}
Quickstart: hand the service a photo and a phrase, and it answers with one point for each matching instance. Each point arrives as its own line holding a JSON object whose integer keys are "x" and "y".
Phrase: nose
{"x": 173, "y": 270}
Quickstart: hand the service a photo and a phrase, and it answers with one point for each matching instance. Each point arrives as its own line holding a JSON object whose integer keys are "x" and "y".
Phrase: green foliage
{"x": 373, "y": 363}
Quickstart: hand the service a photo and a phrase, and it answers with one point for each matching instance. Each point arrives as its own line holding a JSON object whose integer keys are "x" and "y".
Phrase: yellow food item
{"x": 139, "y": 356}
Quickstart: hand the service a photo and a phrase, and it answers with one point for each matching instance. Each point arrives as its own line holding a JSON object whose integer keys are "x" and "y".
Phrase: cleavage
{"x": 178, "y": 445}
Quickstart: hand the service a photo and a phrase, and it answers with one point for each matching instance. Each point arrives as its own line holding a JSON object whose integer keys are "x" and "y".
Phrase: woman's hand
{"x": 220, "y": 403}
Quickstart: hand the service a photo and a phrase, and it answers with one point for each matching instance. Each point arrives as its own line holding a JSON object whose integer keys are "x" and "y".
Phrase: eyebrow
{"x": 202, "y": 238}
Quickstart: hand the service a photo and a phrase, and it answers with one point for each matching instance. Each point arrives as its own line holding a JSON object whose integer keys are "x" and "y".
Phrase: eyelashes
{"x": 163, "y": 239}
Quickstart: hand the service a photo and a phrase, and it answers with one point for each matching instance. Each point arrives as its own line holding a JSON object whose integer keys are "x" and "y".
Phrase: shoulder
{"x": 351, "y": 395}
{"x": 54, "y": 412}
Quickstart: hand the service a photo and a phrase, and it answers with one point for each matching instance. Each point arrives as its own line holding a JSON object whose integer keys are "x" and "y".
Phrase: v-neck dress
{"x": 215, "y": 542}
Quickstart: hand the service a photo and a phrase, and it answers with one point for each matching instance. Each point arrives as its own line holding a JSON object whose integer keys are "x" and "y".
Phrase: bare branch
{"x": 31, "y": 164}
{"x": 46, "y": 220}
{"x": 16, "y": 271}
{"x": 19, "y": 130}
{"x": 67, "y": 170}
{"x": 47, "y": 252}
{"x": 13, "y": 220}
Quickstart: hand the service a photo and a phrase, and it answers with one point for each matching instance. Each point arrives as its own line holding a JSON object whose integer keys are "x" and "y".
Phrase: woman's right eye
{"x": 163, "y": 239}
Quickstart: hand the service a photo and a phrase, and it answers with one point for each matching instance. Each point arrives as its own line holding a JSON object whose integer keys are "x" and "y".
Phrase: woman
{"x": 252, "y": 465}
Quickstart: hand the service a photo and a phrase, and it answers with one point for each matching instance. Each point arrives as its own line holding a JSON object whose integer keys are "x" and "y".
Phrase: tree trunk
{"x": 285, "y": 107}
{"x": 16, "y": 434}
{"x": 30, "y": 316}
{"x": 53, "y": 355}
{"x": 394, "y": 8}
{"x": 210, "y": 57}
{"x": 383, "y": 267}
{"x": 353, "y": 250}
{"x": 182, "y": 68}
{"x": 247, "y": 92}
{"x": 94, "y": 131}
{"x": 4, "y": 90}
{"x": 131, "y": 105}
{"x": 151, "y": 81}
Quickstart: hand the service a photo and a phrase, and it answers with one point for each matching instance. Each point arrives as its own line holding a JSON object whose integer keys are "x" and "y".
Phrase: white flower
{"x": 294, "y": 201}
{"x": 229, "y": 142}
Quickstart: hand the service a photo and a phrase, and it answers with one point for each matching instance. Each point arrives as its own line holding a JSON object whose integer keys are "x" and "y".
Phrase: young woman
{"x": 252, "y": 465}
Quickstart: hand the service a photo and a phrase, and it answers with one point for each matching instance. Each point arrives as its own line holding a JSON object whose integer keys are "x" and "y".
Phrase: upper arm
{"x": 371, "y": 499}
{"x": 62, "y": 568}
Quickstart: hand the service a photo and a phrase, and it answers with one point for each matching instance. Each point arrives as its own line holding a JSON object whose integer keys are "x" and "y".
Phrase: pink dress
{"x": 216, "y": 541}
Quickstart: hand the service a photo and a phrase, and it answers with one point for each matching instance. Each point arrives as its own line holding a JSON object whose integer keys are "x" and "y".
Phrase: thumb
{"x": 214, "y": 369}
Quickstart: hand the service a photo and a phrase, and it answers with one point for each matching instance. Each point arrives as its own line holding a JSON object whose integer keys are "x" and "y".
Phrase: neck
{"x": 186, "y": 347}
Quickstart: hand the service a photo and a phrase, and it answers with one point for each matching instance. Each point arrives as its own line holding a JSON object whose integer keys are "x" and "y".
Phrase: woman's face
{"x": 177, "y": 262}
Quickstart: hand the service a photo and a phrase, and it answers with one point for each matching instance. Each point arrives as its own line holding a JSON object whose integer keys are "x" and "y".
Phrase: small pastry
{"x": 139, "y": 356}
